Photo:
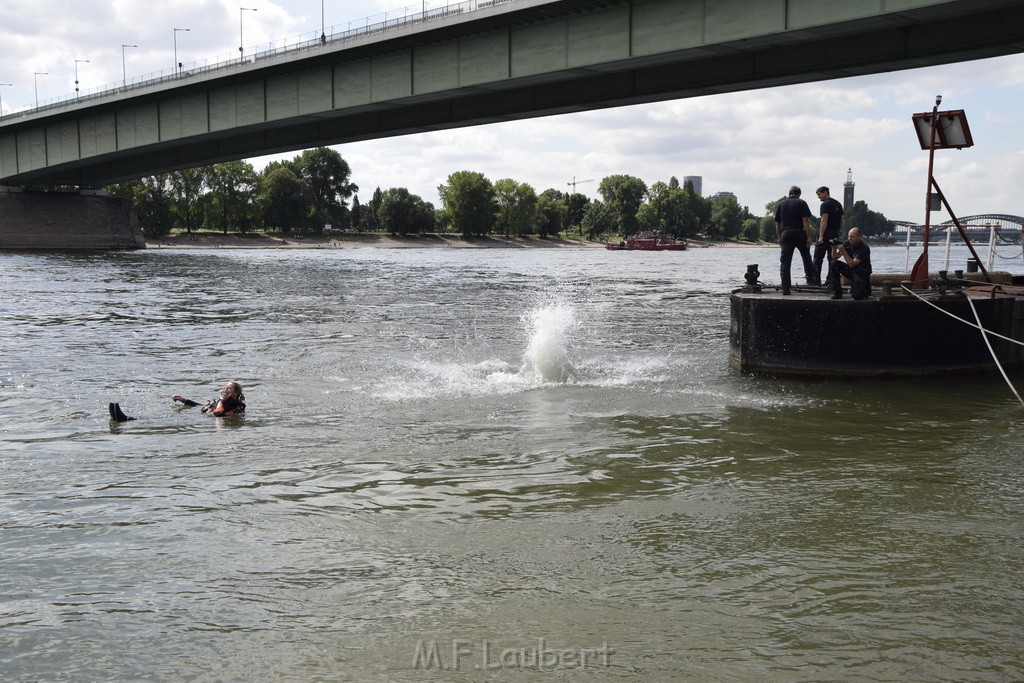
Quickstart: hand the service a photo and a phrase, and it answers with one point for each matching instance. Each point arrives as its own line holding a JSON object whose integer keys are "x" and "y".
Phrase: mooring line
{"x": 984, "y": 335}
{"x": 989, "y": 345}
{"x": 965, "y": 322}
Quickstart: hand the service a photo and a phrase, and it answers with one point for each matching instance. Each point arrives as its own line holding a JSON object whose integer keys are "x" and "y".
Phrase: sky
{"x": 754, "y": 144}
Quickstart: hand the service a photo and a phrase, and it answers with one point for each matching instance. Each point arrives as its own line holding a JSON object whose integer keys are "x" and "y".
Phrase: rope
{"x": 984, "y": 335}
{"x": 989, "y": 345}
{"x": 965, "y": 322}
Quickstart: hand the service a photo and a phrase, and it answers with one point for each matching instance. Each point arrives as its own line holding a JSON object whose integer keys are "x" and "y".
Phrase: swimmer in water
{"x": 230, "y": 402}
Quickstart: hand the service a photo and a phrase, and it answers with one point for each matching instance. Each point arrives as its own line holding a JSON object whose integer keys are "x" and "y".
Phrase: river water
{"x": 462, "y": 464}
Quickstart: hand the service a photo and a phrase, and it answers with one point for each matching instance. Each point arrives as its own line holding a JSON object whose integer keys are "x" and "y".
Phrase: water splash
{"x": 552, "y": 357}
{"x": 547, "y": 356}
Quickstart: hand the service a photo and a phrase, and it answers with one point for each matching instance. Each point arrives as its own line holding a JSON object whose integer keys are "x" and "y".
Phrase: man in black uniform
{"x": 830, "y": 226}
{"x": 793, "y": 228}
{"x": 852, "y": 259}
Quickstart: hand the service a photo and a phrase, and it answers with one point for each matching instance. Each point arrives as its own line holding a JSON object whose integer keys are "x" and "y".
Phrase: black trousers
{"x": 821, "y": 252}
{"x": 791, "y": 240}
{"x": 860, "y": 281}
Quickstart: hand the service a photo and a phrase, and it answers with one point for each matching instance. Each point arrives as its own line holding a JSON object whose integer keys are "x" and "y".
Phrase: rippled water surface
{"x": 461, "y": 464}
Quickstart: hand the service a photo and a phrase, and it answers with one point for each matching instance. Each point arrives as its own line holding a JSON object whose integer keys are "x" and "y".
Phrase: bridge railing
{"x": 312, "y": 40}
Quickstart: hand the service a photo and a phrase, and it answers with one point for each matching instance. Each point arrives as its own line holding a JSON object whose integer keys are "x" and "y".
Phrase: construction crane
{"x": 573, "y": 183}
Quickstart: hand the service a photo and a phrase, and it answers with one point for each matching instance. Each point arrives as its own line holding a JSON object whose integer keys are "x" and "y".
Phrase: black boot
{"x": 116, "y": 415}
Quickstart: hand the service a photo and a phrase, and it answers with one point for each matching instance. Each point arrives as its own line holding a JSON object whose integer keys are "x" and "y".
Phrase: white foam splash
{"x": 547, "y": 356}
{"x": 551, "y": 358}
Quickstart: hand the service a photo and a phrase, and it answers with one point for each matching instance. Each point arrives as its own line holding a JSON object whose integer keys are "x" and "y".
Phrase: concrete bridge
{"x": 485, "y": 61}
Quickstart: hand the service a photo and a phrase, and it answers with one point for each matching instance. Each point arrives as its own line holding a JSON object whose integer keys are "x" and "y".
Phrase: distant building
{"x": 698, "y": 183}
{"x": 724, "y": 194}
{"x": 848, "y": 191}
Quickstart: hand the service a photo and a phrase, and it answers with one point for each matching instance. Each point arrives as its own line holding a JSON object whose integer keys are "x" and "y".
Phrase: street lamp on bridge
{"x": 241, "y": 42}
{"x": 177, "y": 64}
{"x": 124, "y": 70}
{"x": 35, "y": 83}
{"x": 2, "y": 99}
{"x": 77, "y": 62}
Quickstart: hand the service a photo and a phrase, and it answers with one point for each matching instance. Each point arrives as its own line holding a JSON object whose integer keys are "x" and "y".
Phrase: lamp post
{"x": 35, "y": 82}
{"x": 2, "y": 99}
{"x": 124, "y": 70}
{"x": 77, "y": 62}
{"x": 177, "y": 64}
{"x": 241, "y": 42}
{"x": 323, "y": 25}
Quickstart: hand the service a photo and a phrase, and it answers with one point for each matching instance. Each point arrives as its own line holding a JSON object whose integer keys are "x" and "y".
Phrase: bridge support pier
{"x": 89, "y": 219}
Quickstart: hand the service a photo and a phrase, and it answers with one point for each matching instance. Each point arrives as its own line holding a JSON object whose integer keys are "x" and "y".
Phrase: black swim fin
{"x": 117, "y": 415}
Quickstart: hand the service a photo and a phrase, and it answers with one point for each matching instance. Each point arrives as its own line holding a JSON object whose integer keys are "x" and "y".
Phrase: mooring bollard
{"x": 751, "y": 278}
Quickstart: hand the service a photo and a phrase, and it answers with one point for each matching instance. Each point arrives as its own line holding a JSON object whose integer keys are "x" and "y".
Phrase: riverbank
{"x": 208, "y": 240}
{"x": 274, "y": 241}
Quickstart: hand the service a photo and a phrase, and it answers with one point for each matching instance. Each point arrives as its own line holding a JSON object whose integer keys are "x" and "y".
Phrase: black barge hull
{"x": 809, "y": 334}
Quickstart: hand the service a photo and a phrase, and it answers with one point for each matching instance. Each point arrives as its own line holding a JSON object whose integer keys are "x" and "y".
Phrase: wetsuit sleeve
{"x": 189, "y": 403}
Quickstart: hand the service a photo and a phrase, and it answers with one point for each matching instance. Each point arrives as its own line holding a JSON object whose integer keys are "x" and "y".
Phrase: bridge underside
{"x": 925, "y": 36}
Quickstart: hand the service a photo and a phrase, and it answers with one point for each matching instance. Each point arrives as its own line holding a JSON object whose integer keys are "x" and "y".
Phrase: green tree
{"x": 576, "y": 205}
{"x": 371, "y": 210}
{"x": 666, "y": 209}
{"x": 870, "y": 222}
{"x": 426, "y": 216}
{"x": 291, "y": 164}
{"x": 599, "y": 220}
{"x": 622, "y": 196}
{"x": 232, "y": 187}
{"x": 768, "y": 232}
{"x": 726, "y": 217}
{"x": 187, "y": 188}
{"x": 469, "y": 203}
{"x": 517, "y": 207}
{"x": 402, "y": 213}
{"x": 695, "y": 214}
{"x": 326, "y": 175}
{"x": 282, "y": 199}
{"x": 152, "y": 199}
{"x": 751, "y": 230}
{"x": 649, "y": 216}
{"x": 358, "y": 214}
{"x": 553, "y": 212}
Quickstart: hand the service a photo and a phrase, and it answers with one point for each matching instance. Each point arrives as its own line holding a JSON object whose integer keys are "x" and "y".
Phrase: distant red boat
{"x": 648, "y": 241}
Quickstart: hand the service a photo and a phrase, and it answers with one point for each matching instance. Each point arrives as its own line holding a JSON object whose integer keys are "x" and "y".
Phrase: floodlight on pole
{"x": 950, "y": 129}
{"x": 323, "y": 25}
{"x": 177, "y": 64}
{"x": 35, "y": 82}
{"x": 241, "y": 42}
{"x": 124, "y": 69}
{"x": 77, "y": 62}
{"x": 939, "y": 130}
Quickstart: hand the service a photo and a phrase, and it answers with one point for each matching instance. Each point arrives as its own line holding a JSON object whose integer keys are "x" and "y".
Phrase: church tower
{"x": 848, "y": 191}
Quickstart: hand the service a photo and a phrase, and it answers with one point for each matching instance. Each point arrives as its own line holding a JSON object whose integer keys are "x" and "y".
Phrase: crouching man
{"x": 851, "y": 259}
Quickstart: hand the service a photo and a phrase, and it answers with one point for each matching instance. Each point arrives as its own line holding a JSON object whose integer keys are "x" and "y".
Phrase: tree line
{"x": 314, "y": 190}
